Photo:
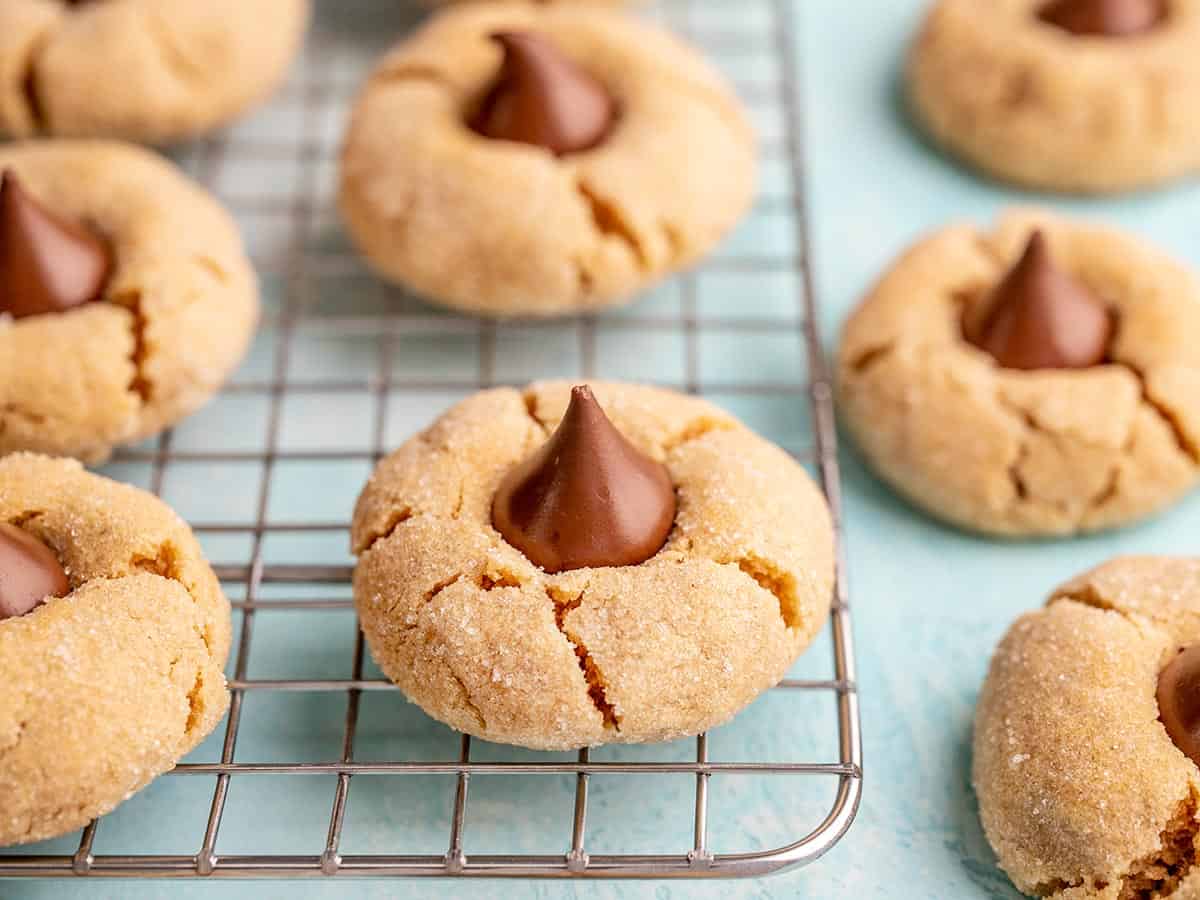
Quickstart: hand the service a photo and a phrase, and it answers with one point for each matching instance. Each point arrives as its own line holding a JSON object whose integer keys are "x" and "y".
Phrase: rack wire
{"x": 309, "y": 146}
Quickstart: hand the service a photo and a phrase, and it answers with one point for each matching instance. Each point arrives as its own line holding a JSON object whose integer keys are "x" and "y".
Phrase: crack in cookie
{"x": 596, "y": 683}
{"x": 395, "y": 519}
{"x": 529, "y": 399}
{"x": 401, "y": 72}
{"x": 466, "y": 699}
{"x": 779, "y": 584}
{"x": 695, "y": 430}
{"x": 173, "y": 56}
{"x": 139, "y": 384}
{"x": 608, "y": 221}
{"x": 34, "y": 108}
{"x": 867, "y": 359}
{"x": 1164, "y": 412}
{"x": 16, "y": 411}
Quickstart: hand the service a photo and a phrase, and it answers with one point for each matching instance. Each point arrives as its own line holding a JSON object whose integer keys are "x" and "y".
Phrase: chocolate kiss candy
{"x": 1179, "y": 701}
{"x": 1104, "y": 18}
{"x": 587, "y": 498}
{"x": 47, "y": 263}
{"x": 29, "y": 572}
{"x": 1042, "y": 318}
{"x": 541, "y": 97}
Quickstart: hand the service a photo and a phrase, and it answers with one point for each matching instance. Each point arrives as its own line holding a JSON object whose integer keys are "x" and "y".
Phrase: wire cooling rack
{"x": 378, "y": 365}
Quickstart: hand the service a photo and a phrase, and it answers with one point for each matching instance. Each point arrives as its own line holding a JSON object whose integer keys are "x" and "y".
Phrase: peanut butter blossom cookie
{"x": 557, "y": 569}
{"x": 1040, "y": 379}
{"x": 125, "y": 297}
{"x": 513, "y": 159}
{"x": 113, "y": 638}
{"x": 1072, "y": 95}
{"x": 144, "y": 70}
{"x": 1087, "y": 737}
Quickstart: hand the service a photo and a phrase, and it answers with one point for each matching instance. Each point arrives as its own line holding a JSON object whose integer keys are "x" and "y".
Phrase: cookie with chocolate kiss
{"x": 1027, "y": 91}
{"x": 565, "y": 566}
{"x": 1085, "y": 748}
{"x": 126, "y": 298}
{"x": 556, "y": 159}
{"x": 1035, "y": 377}
{"x": 113, "y": 639}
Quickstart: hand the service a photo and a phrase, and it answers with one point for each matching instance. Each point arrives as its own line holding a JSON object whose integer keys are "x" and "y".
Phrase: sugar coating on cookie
{"x": 1036, "y": 104}
{"x": 1013, "y": 452}
{"x": 487, "y": 642}
{"x": 505, "y": 228}
{"x": 107, "y": 687}
{"x": 142, "y": 70}
{"x": 176, "y": 315}
{"x": 1081, "y": 791}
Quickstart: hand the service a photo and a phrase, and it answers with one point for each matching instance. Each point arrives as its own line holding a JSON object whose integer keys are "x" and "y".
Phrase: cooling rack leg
{"x": 700, "y": 856}
{"x": 577, "y": 858}
{"x": 456, "y": 860}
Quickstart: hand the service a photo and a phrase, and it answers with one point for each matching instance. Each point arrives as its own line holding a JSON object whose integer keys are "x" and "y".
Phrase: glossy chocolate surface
{"x": 587, "y": 497}
{"x": 1179, "y": 701}
{"x": 48, "y": 264}
{"x": 30, "y": 573}
{"x": 1105, "y": 18}
{"x": 1041, "y": 317}
{"x": 541, "y": 97}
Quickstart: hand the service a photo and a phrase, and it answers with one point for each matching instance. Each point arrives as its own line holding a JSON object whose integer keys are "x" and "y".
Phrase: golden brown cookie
{"x": 143, "y": 70}
{"x": 506, "y": 228}
{"x": 493, "y": 645}
{"x": 1033, "y": 102}
{"x": 107, "y": 687}
{"x": 1017, "y": 452}
{"x": 176, "y": 314}
{"x": 1082, "y": 792}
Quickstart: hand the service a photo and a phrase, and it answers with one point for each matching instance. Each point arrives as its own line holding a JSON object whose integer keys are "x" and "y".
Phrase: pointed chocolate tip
{"x": 48, "y": 264}
{"x": 30, "y": 573}
{"x": 587, "y": 498}
{"x": 1041, "y": 317}
{"x": 541, "y": 97}
{"x": 1104, "y": 18}
{"x": 1037, "y": 247}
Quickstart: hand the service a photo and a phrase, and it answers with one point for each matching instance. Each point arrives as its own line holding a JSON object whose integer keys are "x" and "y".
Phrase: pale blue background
{"x": 929, "y": 603}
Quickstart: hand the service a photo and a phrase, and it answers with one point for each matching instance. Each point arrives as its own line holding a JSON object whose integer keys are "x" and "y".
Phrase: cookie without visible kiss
{"x": 144, "y": 70}
{"x": 176, "y": 314}
{"x": 1081, "y": 791}
{"x": 493, "y": 645}
{"x": 506, "y": 228}
{"x": 1034, "y": 103}
{"x": 1015, "y": 452}
{"x": 107, "y": 687}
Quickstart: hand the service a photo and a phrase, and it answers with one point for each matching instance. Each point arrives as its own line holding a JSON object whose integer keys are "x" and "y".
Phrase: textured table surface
{"x": 929, "y": 603}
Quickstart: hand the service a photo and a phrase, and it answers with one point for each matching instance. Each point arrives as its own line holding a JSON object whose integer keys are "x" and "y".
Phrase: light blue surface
{"x": 929, "y": 603}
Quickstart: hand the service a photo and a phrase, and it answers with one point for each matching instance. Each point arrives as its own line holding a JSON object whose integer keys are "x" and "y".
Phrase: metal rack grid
{"x": 297, "y": 267}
